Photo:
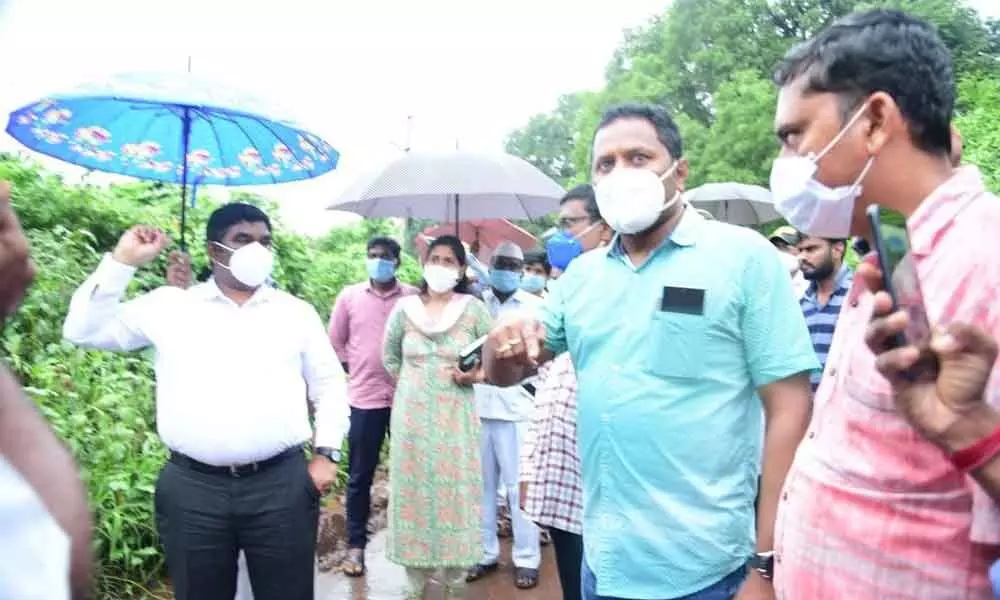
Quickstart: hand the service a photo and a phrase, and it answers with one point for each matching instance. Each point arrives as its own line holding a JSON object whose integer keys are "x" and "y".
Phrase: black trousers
{"x": 204, "y": 519}
{"x": 569, "y": 557}
{"x": 364, "y": 443}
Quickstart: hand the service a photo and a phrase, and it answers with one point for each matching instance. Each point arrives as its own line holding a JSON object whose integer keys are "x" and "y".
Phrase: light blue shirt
{"x": 668, "y": 423}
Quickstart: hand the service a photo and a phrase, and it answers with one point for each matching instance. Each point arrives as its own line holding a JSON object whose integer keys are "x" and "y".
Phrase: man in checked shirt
{"x": 551, "y": 494}
{"x": 890, "y": 495}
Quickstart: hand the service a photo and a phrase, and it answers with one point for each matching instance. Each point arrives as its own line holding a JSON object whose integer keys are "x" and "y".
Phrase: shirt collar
{"x": 393, "y": 291}
{"x": 685, "y": 233}
{"x": 938, "y": 211}
{"x": 209, "y": 290}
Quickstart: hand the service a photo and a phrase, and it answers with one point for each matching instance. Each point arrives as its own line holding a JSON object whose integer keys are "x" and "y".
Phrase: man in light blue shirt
{"x": 672, "y": 329}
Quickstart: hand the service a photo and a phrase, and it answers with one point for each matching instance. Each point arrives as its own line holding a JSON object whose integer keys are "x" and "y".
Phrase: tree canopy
{"x": 710, "y": 61}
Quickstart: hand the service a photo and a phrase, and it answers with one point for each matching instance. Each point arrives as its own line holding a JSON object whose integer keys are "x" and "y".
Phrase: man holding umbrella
{"x": 234, "y": 359}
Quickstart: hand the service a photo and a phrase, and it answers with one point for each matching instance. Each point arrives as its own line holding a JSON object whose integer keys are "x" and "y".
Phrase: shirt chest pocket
{"x": 678, "y": 345}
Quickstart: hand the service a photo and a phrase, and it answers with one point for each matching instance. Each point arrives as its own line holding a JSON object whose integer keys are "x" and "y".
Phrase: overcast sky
{"x": 468, "y": 71}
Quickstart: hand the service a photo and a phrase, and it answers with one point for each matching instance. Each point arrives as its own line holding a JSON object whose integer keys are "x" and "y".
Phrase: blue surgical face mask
{"x": 380, "y": 270}
{"x": 561, "y": 249}
{"x": 532, "y": 282}
{"x": 505, "y": 281}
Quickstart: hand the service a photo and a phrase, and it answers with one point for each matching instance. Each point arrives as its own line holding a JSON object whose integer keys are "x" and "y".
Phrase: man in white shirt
{"x": 234, "y": 362}
{"x": 505, "y": 413}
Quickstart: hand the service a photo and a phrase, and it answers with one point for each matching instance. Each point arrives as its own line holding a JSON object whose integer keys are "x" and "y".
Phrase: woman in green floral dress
{"x": 434, "y": 473}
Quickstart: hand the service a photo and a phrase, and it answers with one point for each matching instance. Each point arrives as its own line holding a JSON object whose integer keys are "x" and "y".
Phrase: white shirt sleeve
{"x": 98, "y": 318}
{"x": 326, "y": 384}
{"x": 34, "y": 554}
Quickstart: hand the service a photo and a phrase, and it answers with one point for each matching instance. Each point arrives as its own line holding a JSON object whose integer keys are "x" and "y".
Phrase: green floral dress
{"x": 434, "y": 475}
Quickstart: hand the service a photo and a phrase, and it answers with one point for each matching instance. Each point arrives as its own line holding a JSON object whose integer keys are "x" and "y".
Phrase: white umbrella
{"x": 453, "y": 186}
{"x": 736, "y": 203}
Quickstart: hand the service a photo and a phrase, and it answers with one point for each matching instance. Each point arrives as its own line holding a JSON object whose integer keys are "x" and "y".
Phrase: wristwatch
{"x": 331, "y": 453}
{"x": 763, "y": 563}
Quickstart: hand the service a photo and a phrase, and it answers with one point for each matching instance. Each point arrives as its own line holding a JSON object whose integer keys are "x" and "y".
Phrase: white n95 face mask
{"x": 631, "y": 200}
{"x": 251, "y": 265}
{"x": 806, "y": 203}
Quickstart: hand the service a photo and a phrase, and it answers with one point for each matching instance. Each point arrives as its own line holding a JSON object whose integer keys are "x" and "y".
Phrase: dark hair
{"x": 538, "y": 257}
{"x": 657, "y": 116}
{"x": 882, "y": 51}
{"x": 462, "y": 287}
{"x": 584, "y": 192}
{"x": 386, "y": 242}
{"x": 230, "y": 214}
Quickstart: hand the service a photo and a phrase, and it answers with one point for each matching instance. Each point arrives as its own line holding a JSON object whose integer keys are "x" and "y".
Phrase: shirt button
{"x": 812, "y": 434}
{"x": 784, "y": 496}
{"x": 854, "y": 303}
{"x": 833, "y": 371}
{"x": 777, "y": 558}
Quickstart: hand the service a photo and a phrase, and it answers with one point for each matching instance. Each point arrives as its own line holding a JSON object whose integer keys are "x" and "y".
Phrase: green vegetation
{"x": 101, "y": 403}
{"x": 709, "y": 62}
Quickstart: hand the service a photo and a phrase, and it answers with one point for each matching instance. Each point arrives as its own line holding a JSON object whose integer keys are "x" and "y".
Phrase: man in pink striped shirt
{"x": 875, "y": 506}
{"x": 356, "y": 332}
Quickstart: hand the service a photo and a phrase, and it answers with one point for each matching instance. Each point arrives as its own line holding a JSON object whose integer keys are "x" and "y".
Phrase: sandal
{"x": 479, "y": 571}
{"x": 354, "y": 564}
{"x": 525, "y": 579}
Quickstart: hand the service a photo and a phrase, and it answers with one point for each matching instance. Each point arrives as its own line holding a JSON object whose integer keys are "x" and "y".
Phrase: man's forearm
{"x": 787, "y": 409}
{"x": 31, "y": 447}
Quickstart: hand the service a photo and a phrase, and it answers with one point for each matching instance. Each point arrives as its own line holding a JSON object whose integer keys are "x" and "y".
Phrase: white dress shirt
{"x": 34, "y": 550}
{"x": 512, "y": 403}
{"x": 231, "y": 381}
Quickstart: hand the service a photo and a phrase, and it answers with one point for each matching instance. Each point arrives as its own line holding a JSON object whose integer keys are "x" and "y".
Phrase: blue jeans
{"x": 724, "y": 589}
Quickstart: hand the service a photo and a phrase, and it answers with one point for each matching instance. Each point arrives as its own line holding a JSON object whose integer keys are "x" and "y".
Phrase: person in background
{"x": 46, "y": 551}
{"x": 580, "y": 226}
{"x": 435, "y": 479}
{"x": 785, "y": 240}
{"x": 661, "y": 435}
{"x": 551, "y": 493}
{"x": 822, "y": 265}
{"x": 537, "y": 271}
{"x": 893, "y": 493}
{"x": 504, "y": 414}
{"x": 357, "y": 324}
{"x": 234, "y": 361}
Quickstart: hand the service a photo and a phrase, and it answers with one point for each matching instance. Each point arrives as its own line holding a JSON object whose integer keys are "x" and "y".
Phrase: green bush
{"x": 101, "y": 403}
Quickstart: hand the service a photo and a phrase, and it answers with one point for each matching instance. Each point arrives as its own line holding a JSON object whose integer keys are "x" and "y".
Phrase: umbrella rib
{"x": 218, "y": 141}
{"x": 263, "y": 123}
{"x": 250, "y": 141}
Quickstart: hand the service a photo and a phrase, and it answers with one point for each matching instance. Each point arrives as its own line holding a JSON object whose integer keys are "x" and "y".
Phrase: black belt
{"x": 234, "y": 470}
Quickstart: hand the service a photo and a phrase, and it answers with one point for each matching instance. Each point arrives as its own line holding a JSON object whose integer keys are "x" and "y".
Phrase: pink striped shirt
{"x": 870, "y": 510}
{"x": 357, "y": 327}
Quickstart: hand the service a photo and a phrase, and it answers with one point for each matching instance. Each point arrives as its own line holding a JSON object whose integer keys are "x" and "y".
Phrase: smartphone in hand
{"x": 471, "y": 355}
{"x": 901, "y": 280}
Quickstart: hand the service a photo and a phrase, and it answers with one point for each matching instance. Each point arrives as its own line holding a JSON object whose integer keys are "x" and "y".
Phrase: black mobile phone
{"x": 471, "y": 355}
{"x": 899, "y": 276}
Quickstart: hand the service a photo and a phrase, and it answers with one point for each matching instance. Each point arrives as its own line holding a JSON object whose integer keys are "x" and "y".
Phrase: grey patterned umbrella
{"x": 735, "y": 203}
{"x": 453, "y": 186}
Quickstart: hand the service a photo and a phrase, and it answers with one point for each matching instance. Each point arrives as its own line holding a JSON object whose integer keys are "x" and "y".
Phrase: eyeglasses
{"x": 569, "y": 222}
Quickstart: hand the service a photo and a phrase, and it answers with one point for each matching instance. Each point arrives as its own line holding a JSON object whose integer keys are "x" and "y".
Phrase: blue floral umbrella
{"x": 174, "y": 128}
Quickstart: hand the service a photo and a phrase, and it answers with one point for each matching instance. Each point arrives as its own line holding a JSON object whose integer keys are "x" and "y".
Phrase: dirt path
{"x": 387, "y": 581}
